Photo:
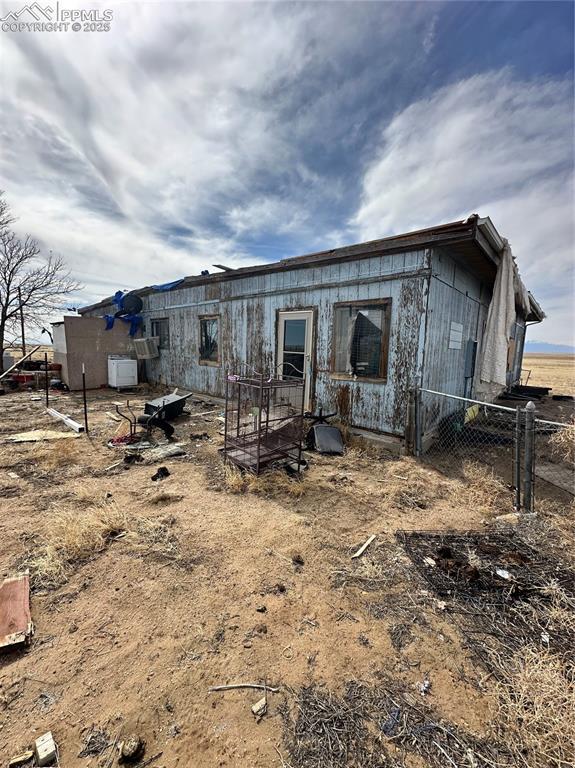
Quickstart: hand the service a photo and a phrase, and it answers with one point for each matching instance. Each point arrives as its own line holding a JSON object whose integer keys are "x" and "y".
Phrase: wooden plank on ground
{"x": 16, "y": 626}
{"x": 363, "y": 547}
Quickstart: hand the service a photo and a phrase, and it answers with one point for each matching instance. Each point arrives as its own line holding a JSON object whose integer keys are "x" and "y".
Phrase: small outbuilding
{"x": 442, "y": 307}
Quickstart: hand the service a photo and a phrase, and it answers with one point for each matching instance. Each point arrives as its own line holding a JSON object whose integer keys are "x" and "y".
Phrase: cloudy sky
{"x": 196, "y": 133}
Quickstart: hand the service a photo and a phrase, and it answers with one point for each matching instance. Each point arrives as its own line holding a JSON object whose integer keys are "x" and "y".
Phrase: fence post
{"x": 418, "y": 421}
{"x": 517, "y": 459}
{"x": 529, "y": 470}
{"x": 411, "y": 424}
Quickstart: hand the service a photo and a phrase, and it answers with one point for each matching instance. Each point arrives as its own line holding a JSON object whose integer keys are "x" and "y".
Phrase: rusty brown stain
{"x": 410, "y": 309}
{"x": 343, "y": 402}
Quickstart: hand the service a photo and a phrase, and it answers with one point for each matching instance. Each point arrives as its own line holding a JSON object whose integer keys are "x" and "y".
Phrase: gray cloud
{"x": 497, "y": 146}
{"x": 195, "y": 133}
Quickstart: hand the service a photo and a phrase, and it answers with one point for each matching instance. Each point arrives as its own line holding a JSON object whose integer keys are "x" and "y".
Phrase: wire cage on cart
{"x": 263, "y": 418}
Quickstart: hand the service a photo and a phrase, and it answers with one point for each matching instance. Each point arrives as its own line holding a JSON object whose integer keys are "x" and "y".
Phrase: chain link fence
{"x": 524, "y": 451}
{"x": 554, "y": 463}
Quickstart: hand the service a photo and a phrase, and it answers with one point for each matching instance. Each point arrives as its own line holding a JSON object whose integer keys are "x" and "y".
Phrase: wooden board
{"x": 16, "y": 626}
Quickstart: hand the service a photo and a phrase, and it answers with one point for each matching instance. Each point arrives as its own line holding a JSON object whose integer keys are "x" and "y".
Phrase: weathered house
{"x": 364, "y": 322}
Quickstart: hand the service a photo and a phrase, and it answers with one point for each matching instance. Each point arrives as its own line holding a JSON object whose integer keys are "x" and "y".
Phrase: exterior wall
{"x": 248, "y": 309}
{"x": 455, "y": 296}
{"x": 85, "y": 340}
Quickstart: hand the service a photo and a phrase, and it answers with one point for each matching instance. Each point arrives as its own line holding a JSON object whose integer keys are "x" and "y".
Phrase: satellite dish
{"x": 132, "y": 304}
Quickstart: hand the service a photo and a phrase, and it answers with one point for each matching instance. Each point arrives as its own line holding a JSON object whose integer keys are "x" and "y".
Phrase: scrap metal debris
{"x": 501, "y": 592}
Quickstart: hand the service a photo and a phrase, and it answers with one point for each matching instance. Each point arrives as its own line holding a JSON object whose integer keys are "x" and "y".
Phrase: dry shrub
{"x": 73, "y": 537}
{"x": 481, "y": 488}
{"x": 536, "y": 711}
{"x": 271, "y": 484}
{"x": 155, "y": 536}
{"x": 58, "y": 454}
{"x": 563, "y": 444}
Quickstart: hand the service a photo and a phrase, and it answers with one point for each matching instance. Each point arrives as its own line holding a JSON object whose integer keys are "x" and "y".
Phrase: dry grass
{"x": 56, "y": 455}
{"x": 557, "y": 371}
{"x": 563, "y": 444}
{"x": 481, "y": 488}
{"x": 270, "y": 484}
{"x": 73, "y": 537}
{"x": 536, "y": 711}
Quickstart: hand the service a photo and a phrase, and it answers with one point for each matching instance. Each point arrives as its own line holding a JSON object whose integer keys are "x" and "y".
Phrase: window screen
{"x": 361, "y": 337}
{"x": 161, "y": 329}
{"x": 209, "y": 333}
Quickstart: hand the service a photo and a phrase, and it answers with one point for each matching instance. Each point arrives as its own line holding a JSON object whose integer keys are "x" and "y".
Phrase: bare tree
{"x": 28, "y": 283}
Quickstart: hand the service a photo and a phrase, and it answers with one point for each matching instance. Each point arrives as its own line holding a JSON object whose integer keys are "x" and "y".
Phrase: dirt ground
{"x": 147, "y": 593}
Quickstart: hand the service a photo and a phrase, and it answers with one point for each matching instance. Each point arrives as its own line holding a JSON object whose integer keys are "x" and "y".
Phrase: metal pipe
{"x": 84, "y": 398}
{"x": 529, "y": 456}
{"x": 517, "y": 459}
{"x": 22, "y": 321}
{"x": 46, "y": 383}
{"x": 469, "y": 400}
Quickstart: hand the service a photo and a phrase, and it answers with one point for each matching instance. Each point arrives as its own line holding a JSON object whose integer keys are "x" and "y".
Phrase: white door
{"x": 295, "y": 337}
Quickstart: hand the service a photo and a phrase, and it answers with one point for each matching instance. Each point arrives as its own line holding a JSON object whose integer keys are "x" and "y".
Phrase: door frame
{"x": 310, "y": 315}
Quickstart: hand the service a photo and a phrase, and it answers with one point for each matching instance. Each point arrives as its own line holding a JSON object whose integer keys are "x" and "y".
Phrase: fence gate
{"x": 522, "y": 449}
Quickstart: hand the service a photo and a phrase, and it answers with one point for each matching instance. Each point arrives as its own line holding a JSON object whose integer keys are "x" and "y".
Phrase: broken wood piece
{"x": 235, "y": 686}
{"x": 16, "y": 627}
{"x": 363, "y": 547}
{"x": 260, "y": 708}
{"x": 36, "y": 435}
{"x": 113, "y": 416}
{"x": 6, "y": 372}
{"x": 21, "y": 759}
{"x": 76, "y": 426}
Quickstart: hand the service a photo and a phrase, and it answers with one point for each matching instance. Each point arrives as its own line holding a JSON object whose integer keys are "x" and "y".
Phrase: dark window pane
{"x": 293, "y": 364}
{"x": 209, "y": 339}
{"x": 161, "y": 329}
{"x": 294, "y": 335}
{"x": 359, "y": 336}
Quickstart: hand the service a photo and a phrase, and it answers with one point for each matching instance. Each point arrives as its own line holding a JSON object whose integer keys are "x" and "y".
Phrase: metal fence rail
{"x": 513, "y": 441}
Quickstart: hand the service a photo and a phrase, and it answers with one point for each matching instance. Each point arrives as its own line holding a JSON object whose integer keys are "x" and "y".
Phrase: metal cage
{"x": 263, "y": 419}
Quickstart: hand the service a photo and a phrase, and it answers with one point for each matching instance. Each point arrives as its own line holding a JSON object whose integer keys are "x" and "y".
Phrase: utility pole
{"x": 22, "y": 322}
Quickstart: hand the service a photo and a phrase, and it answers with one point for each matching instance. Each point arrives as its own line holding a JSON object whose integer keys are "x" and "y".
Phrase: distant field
{"x": 557, "y": 371}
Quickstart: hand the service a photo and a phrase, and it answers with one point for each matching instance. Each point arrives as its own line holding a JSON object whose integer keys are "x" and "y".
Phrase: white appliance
{"x": 122, "y": 372}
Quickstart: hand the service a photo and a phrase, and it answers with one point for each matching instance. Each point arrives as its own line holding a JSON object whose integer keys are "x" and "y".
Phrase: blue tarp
{"x": 168, "y": 286}
{"x": 134, "y": 320}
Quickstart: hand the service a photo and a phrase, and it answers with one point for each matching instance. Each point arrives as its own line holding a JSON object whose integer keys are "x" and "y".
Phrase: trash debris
{"x": 502, "y": 573}
{"x": 162, "y": 473}
{"x": 45, "y": 749}
{"x": 16, "y": 627}
{"x": 36, "y": 435}
{"x": 235, "y": 686}
{"x": 430, "y": 562}
{"x": 21, "y": 759}
{"x": 261, "y": 609}
{"x": 425, "y": 686}
{"x": 260, "y": 708}
{"x": 46, "y": 701}
{"x": 96, "y": 742}
{"x": 76, "y": 426}
{"x": 163, "y": 452}
{"x": 363, "y": 547}
{"x": 326, "y": 439}
{"x": 131, "y": 749}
